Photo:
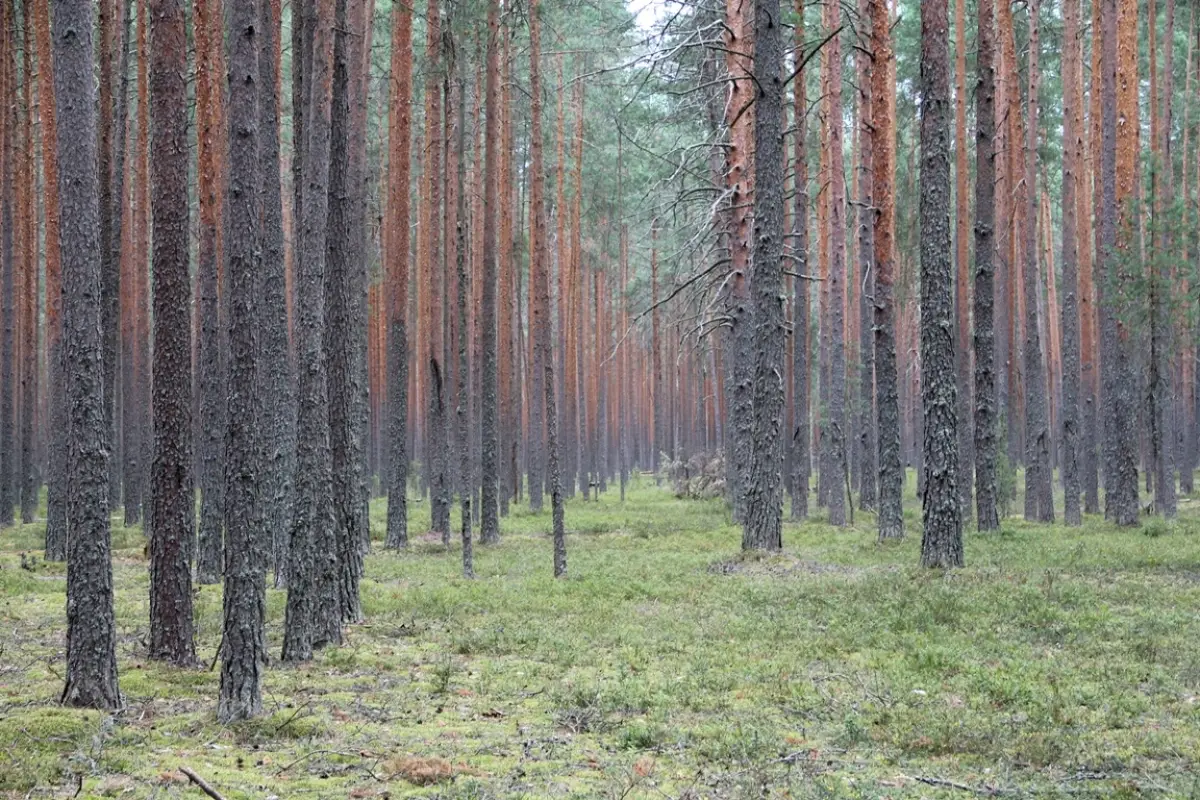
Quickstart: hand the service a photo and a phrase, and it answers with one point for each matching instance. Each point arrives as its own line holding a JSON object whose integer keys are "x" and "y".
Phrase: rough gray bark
{"x": 345, "y": 292}
{"x": 489, "y": 521}
{"x": 277, "y": 380}
{"x": 1038, "y": 468}
{"x": 763, "y": 529}
{"x": 941, "y": 541}
{"x": 985, "y": 271}
{"x": 91, "y": 679}
{"x": 172, "y": 502}
{"x": 312, "y": 617}
{"x": 1072, "y": 163}
{"x": 244, "y": 649}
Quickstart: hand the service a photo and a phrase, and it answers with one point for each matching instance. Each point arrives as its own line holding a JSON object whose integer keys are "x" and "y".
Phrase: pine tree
{"x": 941, "y": 541}
{"x": 399, "y": 134}
{"x": 986, "y": 423}
{"x": 244, "y": 652}
{"x": 762, "y": 529}
{"x": 91, "y": 678}
{"x": 489, "y": 391}
{"x": 171, "y": 492}
{"x": 891, "y": 472}
{"x": 1072, "y": 159}
{"x": 801, "y": 456}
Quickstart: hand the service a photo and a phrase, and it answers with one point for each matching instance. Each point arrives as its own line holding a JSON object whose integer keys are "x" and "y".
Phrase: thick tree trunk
{"x": 172, "y": 502}
{"x": 345, "y": 293}
{"x": 312, "y": 617}
{"x": 764, "y": 492}
{"x": 91, "y": 678}
{"x": 244, "y": 653}
{"x": 941, "y": 541}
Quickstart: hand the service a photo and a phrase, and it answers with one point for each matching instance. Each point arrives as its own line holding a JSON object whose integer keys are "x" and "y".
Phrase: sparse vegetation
{"x": 1059, "y": 662}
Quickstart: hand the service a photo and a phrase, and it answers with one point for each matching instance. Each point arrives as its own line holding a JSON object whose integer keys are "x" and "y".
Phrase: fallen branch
{"x": 204, "y": 787}
{"x": 987, "y": 791}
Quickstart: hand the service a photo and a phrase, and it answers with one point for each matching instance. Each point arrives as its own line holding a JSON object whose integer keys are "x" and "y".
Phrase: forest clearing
{"x": 1060, "y": 663}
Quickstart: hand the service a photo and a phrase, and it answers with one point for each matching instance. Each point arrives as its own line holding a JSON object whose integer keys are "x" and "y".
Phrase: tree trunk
{"x": 345, "y": 292}
{"x": 172, "y": 502}
{"x": 277, "y": 381}
{"x": 986, "y": 410}
{"x": 489, "y": 520}
{"x": 312, "y": 617}
{"x": 764, "y": 491}
{"x": 1119, "y": 145}
{"x": 399, "y": 167}
{"x": 1072, "y": 160}
{"x": 8, "y": 264}
{"x": 887, "y": 403}
{"x": 244, "y": 653}
{"x": 210, "y": 368}
{"x": 941, "y": 541}
{"x": 962, "y": 225}
{"x": 868, "y": 447}
{"x": 801, "y": 456}
{"x": 56, "y": 435}
{"x": 835, "y": 414}
{"x": 91, "y": 679}
{"x": 540, "y": 286}
{"x": 1039, "y": 504}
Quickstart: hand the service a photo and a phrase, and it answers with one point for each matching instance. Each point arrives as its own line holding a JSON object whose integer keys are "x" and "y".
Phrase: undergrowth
{"x": 1058, "y": 663}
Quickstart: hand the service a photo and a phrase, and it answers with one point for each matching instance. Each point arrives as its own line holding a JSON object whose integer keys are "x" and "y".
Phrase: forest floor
{"x": 1058, "y": 663}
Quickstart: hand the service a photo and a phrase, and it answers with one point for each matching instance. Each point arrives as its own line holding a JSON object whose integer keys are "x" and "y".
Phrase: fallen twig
{"x": 946, "y": 784}
{"x": 204, "y": 787}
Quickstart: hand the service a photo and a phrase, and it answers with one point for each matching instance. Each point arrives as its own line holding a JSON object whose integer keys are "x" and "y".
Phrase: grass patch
{"x": 1060, "y": 662}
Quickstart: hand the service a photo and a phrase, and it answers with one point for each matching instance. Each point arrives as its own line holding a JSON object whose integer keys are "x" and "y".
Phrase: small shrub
{"x": 701, "y": 477}
{"x": 1155, "y": 527}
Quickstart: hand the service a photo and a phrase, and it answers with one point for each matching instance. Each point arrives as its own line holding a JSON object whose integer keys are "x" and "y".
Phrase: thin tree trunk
{"x": 801, "y": 456}
{"x": 887, "y": 403}
{"x": 399, "y": 167}
{"x": 986, "y": 408}
{"x": 276, "y": 376}
{"x": 540, "y": 286}
{"x": 868, "y": 447}
{"x": 835, "y": 413}
{"x": 962, "y": 223}
{"x": 1072, "y": 160}
{"x": 490, "y": 464}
